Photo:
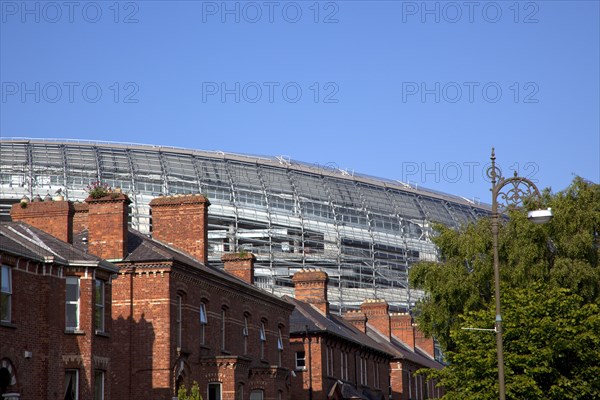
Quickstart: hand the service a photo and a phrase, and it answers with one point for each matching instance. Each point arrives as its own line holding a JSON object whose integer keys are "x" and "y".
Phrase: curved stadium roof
{"x": 364, "y": 231}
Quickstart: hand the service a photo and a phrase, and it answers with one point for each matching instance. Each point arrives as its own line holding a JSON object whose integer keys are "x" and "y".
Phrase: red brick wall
{"x": 402, "y": 328}
{"x": 310, "y": 286}
{"x": 377, "y": 315}
{"x": 80, "y": 217}
{"x": 240, "y": 265}
{"x": 54, "y": 217}
{"x": 144, "y": 312}
{"x": 38, "y": 326}
{"x": 107, "y": 226}
{"x": 181, "y": 221}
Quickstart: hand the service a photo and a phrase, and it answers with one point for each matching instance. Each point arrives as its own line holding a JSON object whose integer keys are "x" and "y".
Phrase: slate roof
{"x": 306, "y": 317}
{"x": 21, "y": 239}
{"x": 143, "y": 249}
{"x": 401, "y": 350}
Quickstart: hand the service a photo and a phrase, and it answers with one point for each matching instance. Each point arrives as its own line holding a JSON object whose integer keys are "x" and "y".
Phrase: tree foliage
{"x": 194, "y": 393}
{"x": 561, "y": 255}
{"x": 551, "y": 345}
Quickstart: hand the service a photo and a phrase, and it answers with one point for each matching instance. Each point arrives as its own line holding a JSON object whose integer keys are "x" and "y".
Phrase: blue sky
{"x": 413, "y": 91}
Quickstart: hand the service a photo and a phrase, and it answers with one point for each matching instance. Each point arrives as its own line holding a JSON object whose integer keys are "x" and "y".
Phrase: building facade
{"x": 365, "y": 232}
{"x": 55, "y": 317}
{"x": 172, "y": 319}
{"x": 333, "y": 359}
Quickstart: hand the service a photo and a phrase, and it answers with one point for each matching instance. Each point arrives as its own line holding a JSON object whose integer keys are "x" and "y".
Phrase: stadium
{"x": 365, "y": 232}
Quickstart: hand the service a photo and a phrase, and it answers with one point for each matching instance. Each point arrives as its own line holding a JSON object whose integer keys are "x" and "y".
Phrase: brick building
{"x": 92, "y": 309}
{"x": 334, "y": 358}
{"x": 175, "y": 319}
{"x": 411, "y": 350}
{"x": 55, "y": 313}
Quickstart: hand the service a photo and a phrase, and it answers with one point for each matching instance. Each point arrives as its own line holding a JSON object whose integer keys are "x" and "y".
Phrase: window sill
{"x": 74, "y": 332}
{"x": 8, "y": 324}
{"x": 203, "y": 346}
{"x": 301, "y": 369}
{"x": 102, "y": 334}
{"x": 225, "y": 352}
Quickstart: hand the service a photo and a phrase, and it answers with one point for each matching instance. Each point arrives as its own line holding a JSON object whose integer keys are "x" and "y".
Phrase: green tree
{"x": 194, "y": 393}
{"x": 564, "y": 253}
{"x": 552, "y": 349}
{"x": 550, "y": 278}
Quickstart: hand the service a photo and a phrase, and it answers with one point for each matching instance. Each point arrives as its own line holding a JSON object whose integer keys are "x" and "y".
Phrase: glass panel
{"x": 6, "y": 282}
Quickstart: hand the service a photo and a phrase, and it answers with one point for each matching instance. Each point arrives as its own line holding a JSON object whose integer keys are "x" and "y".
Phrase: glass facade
{"x": 364, "y": 232}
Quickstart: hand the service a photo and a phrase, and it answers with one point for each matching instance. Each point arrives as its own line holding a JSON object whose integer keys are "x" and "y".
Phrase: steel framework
{"x": 365, "y": 232}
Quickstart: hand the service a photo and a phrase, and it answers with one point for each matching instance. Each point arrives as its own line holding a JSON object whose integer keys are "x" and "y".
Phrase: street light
{"x": 510, "y": 192}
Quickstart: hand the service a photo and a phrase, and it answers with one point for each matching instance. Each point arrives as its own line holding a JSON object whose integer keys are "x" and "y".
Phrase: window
{"x": 239, "y": 394}
{"x": 344, "y": 366}
{"x": 363, "y": 371}
{"x": 99, "y": 305}
{"x": 223, "y": 326}
{"x": 263, "y": 339}
{"x": 300, "y": 360}
{"x": 376, "y": 375}
{"x": 98, "y": 385}
{"x": 179, "y": 321}
{"x": 71, "y": 384}
{"x": 256, "y": 395}
{"x": 203, "y": 322}
{"x": 214, "y": 391}
{"x": 72, "y": 303}
{"x": 245, "y": 334}
{"x": 5, "y": 294}
{"x": 329, "y": 360}
{"x": 279, "y": 348}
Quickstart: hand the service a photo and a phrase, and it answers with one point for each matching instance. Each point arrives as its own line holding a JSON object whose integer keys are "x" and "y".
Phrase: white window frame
{"x": 263, "y": 340}
{"x": 279, "y": 348}
{"x": 73, "y": 279}
{"x": 76, "y": 371}
{"x": 99, "y": 373}
{"x": 203, "y": 323}
{"x": 6, "y": 290}
{"x": 99, "y": 306}
{"x": 303, "y": 358}
{"x": 329, "y": 360}
{"x": 245, "y": 334}
{"x": 214, "y": 384}
{"x": 344, "y": 366}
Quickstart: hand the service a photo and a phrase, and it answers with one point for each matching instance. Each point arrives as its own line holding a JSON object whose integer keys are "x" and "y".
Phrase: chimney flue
{"x": 181, "y": 221}
{"x": 240, "y": 265}
{"x": 310, "y": 286}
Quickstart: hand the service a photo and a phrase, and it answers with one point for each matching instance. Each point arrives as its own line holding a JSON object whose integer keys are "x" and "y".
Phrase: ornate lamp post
{"x": 508, "y": 192}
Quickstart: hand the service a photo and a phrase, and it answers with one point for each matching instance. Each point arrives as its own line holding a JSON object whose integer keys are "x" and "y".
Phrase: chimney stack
{"x": 402, "y": 328}
{"x": 358, "y": 319}
{"x": 182, "y": 221}
{"x": 53, "y": 217}
{"x": 310, "y": 286}
{"x": 240, "y": 265}
{"x": 107, "y": 226}
{"x": 424, "y": 343}
{"x": 377, "y": 312}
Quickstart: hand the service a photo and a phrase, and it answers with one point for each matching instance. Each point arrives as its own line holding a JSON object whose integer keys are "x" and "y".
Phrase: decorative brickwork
{"x": 377, "y": 312}
{"x": 310, "y": 286}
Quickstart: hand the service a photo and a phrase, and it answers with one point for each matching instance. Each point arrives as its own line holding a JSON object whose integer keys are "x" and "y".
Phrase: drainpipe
{"x": 310, "y": 388}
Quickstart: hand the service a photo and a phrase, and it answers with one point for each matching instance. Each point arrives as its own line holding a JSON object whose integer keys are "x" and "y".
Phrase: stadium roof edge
{"x": 330, "y": 169}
